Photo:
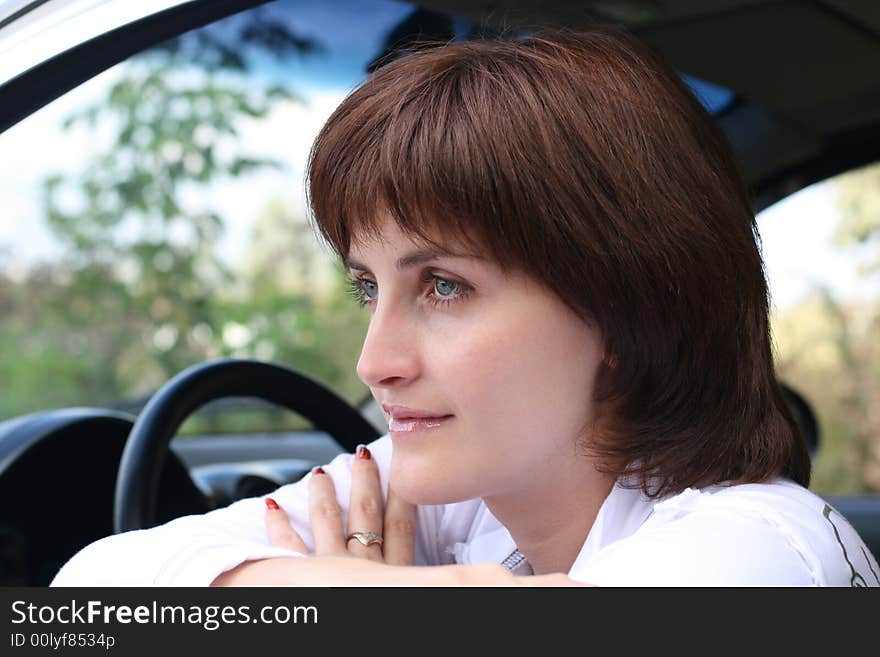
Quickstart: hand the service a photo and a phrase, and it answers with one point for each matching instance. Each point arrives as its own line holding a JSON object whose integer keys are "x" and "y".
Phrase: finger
{"x": 366, "y": 508}
{"x": 281, "y": 534}
{"x": 325, "y": 515}
{"x": 400, "y": 530}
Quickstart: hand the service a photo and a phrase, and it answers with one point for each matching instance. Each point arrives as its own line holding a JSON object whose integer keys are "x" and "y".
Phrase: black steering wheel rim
{"x": 137, "y": 482}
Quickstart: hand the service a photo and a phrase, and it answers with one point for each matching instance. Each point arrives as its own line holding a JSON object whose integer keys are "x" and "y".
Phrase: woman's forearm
{"x": 321, "y": 571}
{"x": 347, "y": 571}
{"x": 190, "y": 551}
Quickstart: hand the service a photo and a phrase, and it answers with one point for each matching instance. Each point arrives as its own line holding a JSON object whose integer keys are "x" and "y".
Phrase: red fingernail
{"x": 363, "y": 453}
{"x": 271, "y": 504}
{"x": 318, "y": 470}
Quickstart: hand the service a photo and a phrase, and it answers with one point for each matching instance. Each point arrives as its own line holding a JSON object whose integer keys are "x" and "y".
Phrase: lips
{"x": 412, "y": 424}
{"x": 407, "y": 420}
{"x": 407, "y": 413}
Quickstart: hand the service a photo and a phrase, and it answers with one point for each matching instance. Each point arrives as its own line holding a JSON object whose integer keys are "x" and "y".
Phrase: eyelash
{"x": 356, "y": 290}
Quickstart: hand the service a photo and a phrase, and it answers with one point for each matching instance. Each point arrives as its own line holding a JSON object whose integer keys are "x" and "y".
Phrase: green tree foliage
{"x": 141, "y": 292}
{"x": 830, "y": 349}
{"x": 859, "y": 334}
{"x": 825, "y": 349}
{"x": 859, "y": 202}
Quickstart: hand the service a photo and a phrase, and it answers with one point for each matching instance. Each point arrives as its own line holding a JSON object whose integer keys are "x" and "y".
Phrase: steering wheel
{"x": 142, "y": 459}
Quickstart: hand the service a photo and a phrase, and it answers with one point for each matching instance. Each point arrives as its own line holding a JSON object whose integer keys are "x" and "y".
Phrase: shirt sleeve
{"x": 194, "y": 550}
{"x": 704, "y": 548}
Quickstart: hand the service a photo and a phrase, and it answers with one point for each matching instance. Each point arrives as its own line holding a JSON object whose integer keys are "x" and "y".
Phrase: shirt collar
{"x": 622, "y": 513}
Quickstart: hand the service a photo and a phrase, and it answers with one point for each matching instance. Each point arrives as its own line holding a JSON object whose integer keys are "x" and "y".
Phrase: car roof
{"x": 802, "y": 77}
{"x": 805, "y": 75}
{"x": 33, "y": 31}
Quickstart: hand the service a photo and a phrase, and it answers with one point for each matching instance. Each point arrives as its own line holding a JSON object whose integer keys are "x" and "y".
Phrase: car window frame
{"x": 37, "y": 86}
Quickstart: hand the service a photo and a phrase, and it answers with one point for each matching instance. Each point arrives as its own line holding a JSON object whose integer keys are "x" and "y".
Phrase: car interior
{"x": 794, "y": 86}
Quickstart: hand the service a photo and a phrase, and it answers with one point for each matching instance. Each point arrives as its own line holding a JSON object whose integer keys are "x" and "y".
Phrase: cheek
{"x": 519, "y": 379}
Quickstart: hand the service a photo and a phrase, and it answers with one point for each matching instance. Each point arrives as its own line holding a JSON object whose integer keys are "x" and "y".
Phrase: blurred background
{"x": 155, "y": 217}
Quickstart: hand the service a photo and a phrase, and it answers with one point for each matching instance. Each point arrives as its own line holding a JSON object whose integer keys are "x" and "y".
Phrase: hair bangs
{"x": 414, "y": 149}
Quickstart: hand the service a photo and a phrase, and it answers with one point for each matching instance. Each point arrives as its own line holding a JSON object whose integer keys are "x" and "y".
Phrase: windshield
{"x": 155, "y": 216}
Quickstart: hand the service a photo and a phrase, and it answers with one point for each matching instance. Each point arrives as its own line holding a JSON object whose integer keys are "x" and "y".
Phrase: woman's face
{"x": 501, "y": 365}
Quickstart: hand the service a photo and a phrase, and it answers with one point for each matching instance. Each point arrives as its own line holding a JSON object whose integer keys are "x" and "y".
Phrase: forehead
{"x": 388, "y": 237}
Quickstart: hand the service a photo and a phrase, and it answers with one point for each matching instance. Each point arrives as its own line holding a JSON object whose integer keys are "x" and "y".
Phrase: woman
{"x": 569, "y": 339}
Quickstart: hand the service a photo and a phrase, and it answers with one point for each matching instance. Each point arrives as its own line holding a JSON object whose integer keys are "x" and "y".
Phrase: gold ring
{"x": 366, "y": 538}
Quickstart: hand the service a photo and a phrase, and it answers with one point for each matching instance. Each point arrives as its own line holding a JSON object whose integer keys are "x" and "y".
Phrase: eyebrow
{"x": 415, "y": 259}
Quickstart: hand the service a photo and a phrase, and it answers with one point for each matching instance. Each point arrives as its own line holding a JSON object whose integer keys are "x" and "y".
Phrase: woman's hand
{"x": 394, "y": 521}
{"x": 388, "y": 564}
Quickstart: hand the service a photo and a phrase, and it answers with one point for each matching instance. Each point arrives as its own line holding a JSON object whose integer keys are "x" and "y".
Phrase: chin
{"x": 423, "y": 489}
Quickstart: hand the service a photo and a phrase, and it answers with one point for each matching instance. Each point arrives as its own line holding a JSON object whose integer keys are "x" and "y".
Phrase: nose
{"x": 389, "y": 356}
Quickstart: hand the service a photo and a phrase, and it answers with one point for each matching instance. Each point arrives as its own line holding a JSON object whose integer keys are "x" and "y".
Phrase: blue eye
{"x": 445, "y": 288}
{"x": 444, "y": 291}
{"x": 441, "y": 293}
{"x": 363, "y": 290}
{"x": 370, "y": 289}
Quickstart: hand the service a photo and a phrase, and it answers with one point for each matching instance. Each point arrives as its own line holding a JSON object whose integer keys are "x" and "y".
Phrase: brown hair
{"x": 583, "y": 159}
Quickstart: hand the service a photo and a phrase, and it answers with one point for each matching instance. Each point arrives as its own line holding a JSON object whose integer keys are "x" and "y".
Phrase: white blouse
{"x": 776, "y": 533}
